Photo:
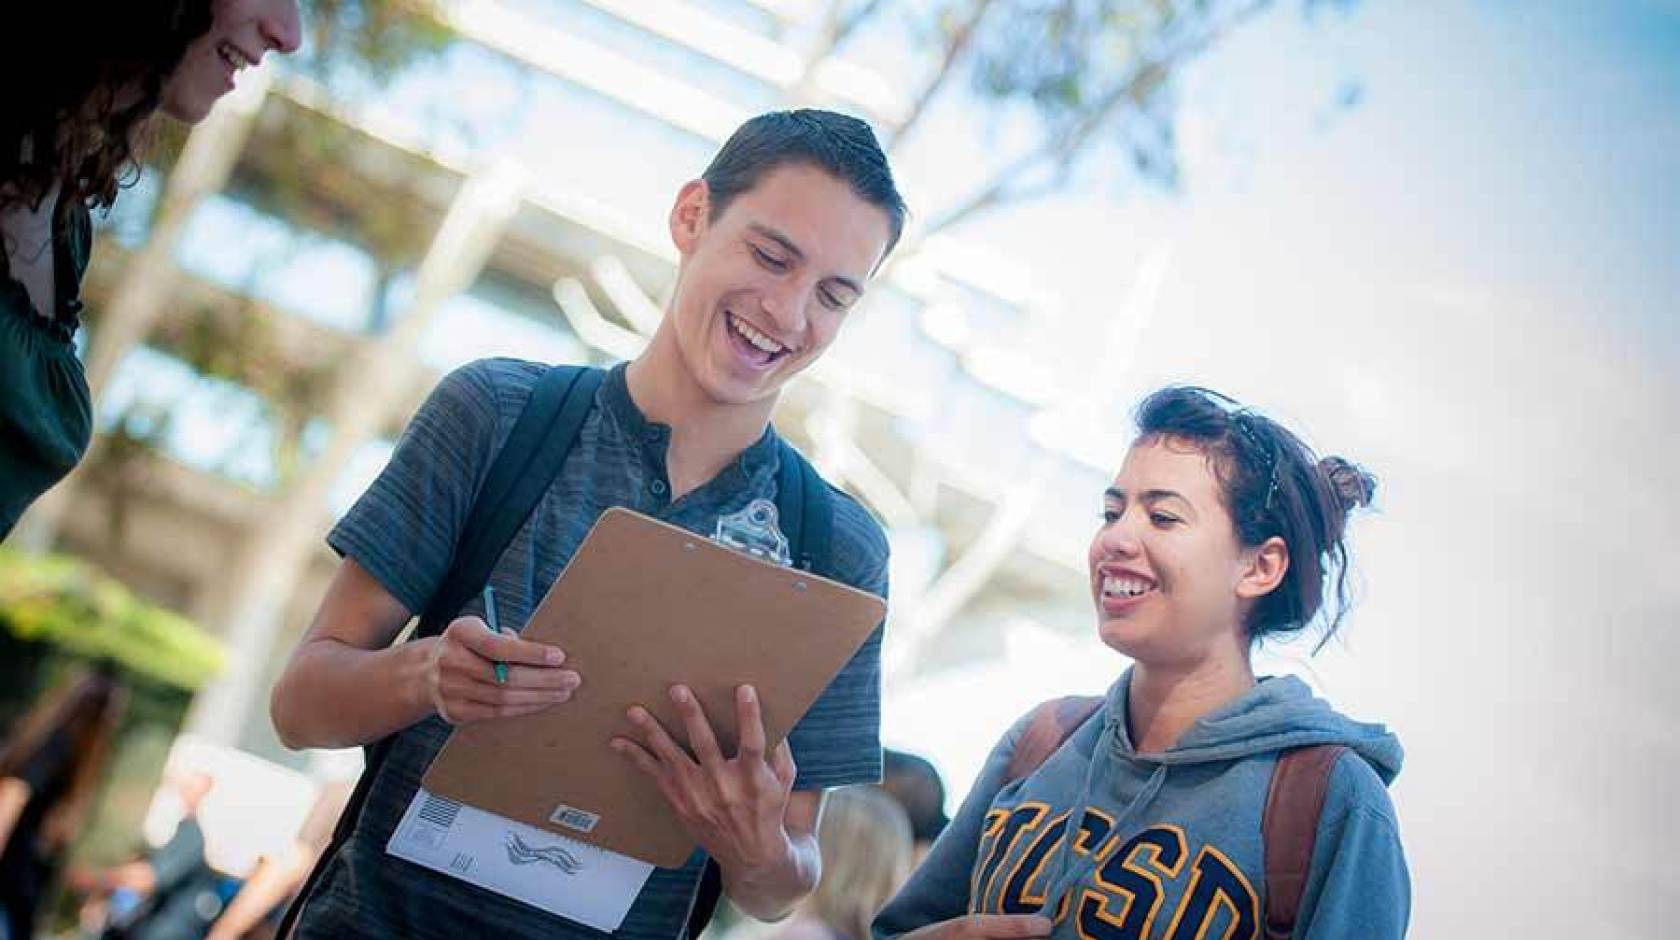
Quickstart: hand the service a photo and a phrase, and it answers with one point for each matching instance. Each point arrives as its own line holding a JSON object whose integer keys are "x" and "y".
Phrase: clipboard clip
{"x": 753, "y": 530}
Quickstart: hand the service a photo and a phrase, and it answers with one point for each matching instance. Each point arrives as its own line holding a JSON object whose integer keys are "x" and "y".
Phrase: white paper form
{"x": 579, "y": 882}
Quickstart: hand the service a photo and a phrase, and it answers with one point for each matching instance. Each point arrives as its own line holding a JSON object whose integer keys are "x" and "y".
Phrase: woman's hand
{"x": 986, "y": 927}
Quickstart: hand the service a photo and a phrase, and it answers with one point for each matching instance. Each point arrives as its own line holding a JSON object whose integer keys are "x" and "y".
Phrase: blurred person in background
{"x": 170, "y": 894}
{"x": 83, "y": 84}
{"x": 866, "y": 851}
{"x": 1221, "y": 529}
{"x": 255, "y": 912}
{"x": 49, "y": 772}
{"x": 175, "y": 894}
{"x": 915, "y": 785}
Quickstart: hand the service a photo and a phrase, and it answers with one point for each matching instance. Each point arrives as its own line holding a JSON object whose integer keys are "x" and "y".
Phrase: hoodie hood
{"x": 1279, "y": 713}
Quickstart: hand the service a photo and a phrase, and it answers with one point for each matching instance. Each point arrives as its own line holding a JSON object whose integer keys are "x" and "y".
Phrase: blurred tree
{"x": 354, "y": 45}
{"x": 67, "y": 604}
{"x": 1086, "y": 74}
{"x": 374, "y": 38}
{"x": 305, "y": 173}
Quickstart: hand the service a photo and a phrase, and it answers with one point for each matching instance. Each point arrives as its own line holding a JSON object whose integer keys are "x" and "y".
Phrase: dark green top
{"x": 46, "y": 416}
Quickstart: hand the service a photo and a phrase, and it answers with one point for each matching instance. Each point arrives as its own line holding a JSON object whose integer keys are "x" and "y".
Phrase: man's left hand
{"x": 735, "y": 807}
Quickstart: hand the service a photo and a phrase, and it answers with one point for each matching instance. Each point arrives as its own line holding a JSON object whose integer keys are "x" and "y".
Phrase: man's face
{"x": 762, "y": 289}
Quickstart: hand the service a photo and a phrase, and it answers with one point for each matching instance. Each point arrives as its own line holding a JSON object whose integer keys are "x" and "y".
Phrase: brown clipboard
{"x": 641, "y": 606}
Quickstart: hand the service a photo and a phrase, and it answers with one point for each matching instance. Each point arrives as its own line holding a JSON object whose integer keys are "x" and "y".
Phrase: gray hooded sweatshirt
{"x": 1167, "y": 845}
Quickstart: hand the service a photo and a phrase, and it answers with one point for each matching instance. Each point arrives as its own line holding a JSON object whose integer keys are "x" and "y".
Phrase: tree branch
{"x": 954, "y": 49}
{"x": 837, "y": 27}
{"x": 1063, "y": 148}
{"x": 842, "y": 27}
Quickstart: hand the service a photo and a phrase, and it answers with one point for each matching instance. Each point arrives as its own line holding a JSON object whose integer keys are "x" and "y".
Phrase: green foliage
{"x": 67, "y": 604}
{"x": 373, "y": 38}
{"x": 310, "y": 174}
{"x": 1085, "y": 66}
{"x": 305, "y": 159}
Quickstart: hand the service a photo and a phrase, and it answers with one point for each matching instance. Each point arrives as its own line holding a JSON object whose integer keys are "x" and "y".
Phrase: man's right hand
{"x": 460, "y": 674}
{"x": 986, "y": 927}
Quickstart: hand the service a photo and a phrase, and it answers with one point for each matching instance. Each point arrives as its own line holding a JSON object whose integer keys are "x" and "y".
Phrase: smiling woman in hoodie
{"x": 1220, "y": 529}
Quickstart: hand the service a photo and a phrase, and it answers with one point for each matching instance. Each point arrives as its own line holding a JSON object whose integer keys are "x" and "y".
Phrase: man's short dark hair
{"x": 837, "y": 143}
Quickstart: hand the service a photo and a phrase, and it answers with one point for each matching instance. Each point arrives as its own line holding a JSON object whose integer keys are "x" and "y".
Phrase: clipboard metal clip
{"x": 753, "y": 530}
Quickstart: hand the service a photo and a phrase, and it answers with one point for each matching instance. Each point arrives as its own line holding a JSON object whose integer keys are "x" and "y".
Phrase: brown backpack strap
{"x": 1051, "y": 724}
{"x": 1289, "y": 829}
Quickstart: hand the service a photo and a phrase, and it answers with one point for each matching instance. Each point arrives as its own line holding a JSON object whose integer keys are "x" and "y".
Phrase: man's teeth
{"x": 1124, "y": 587}
{"x": 755, "y": 337}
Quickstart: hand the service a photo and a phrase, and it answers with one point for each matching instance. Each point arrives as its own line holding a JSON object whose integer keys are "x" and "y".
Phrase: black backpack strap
{"x": 805, "y": 512}
{"x": 523, "y": 470}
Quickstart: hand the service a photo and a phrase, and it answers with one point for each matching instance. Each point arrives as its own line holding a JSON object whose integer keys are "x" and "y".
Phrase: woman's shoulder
{"x": 1355, "y": 786}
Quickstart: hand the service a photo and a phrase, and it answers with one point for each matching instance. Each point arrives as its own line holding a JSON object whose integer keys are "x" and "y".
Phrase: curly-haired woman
{"x": 84, "y": 82}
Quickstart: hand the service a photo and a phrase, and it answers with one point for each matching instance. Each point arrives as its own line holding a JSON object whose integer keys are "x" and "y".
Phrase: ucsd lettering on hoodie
{"x": 1167, "y": 846}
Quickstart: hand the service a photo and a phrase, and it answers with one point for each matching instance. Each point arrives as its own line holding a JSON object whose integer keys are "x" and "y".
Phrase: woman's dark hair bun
{"x": 1353, "y": 486}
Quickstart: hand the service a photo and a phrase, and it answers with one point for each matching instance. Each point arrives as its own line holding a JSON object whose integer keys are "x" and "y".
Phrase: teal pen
{"x": 490, "y": 615}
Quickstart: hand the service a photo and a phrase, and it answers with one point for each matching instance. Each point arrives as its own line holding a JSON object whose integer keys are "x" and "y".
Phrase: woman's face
{"x": 241, "y": 33}
{"x": 1168, "y": 576}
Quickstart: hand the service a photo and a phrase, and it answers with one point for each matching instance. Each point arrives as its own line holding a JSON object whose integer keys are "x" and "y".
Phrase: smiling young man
{"x": 776, "y": 242}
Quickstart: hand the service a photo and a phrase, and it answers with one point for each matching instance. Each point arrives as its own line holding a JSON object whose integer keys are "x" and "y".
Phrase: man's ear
{"x": 690, "y": 215}
{"x": 1264, "y": 570}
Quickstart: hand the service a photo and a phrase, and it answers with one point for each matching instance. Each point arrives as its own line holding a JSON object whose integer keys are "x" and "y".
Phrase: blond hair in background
{"x": 865, "y": 839}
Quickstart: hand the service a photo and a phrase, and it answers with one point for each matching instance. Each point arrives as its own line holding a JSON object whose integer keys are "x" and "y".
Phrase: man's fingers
{"x": 782, "y": 765}
{"x": 515, "y": 711}
{"x": 468, "y": 712}
{"x": 460, "y": 699}
{"x": 656, "y": 739}
{"x": 637, "y": 755}
{"x": 700, "y": 737}
{"x": 541, "y": 677}
{"x": 463, "y": 664}
{"x": 749, "y": 724}
{"x": 510, "y": 649}
{"x": 498, "y": 695}
{"x": 475, "y": 635}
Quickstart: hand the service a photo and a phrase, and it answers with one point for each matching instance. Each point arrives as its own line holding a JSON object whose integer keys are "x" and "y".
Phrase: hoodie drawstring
{"x": 1068, "y": 874}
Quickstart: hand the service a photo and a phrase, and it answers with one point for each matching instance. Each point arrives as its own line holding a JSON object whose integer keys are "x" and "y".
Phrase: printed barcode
{"x": 574, "y": 818}
{"x": 439, "y": 811}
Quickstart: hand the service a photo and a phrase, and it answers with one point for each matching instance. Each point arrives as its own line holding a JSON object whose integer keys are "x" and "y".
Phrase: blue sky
{"x": 1525, "y": 146}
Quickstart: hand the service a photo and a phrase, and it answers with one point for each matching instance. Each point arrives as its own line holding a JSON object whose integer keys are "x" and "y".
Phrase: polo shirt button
{"x": 657, "y": 487}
